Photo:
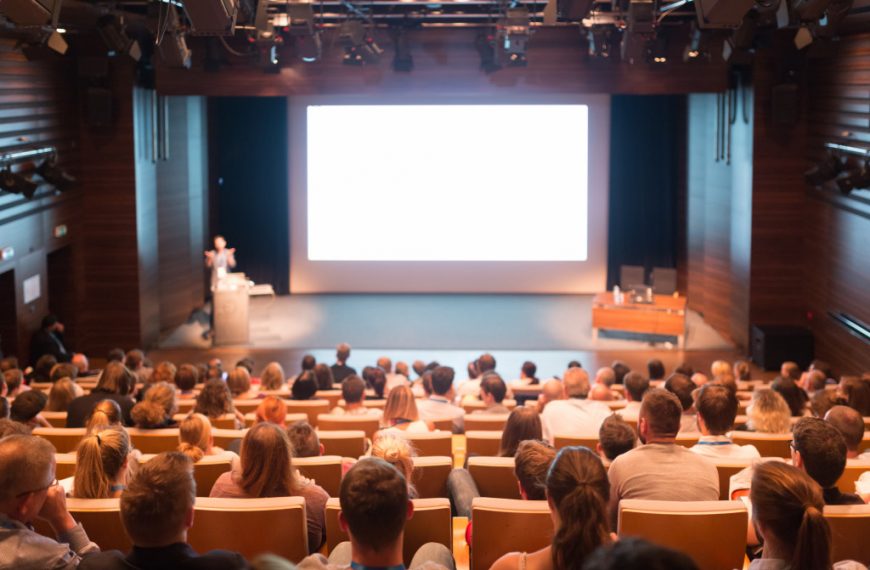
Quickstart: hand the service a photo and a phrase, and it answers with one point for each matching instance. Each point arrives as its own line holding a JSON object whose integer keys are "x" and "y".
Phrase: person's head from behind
{"x": 720, "y": 367}
{"x": 819, "y": 449}
{"x": 215, "y": 369}
{"x": 272, "y": 376}
{"x": 659, "y": 417}
{"x": 266, "y": 468}
{"x": 522, "y": 424}
{"x": 577, "y": 492}
{"x": 551, "y": 391}
{"x": 682, "y": 387}
{"x": 187, "y": 377}
{"x": 855, "y": 392}
{"x": 768, "y": 412}
{"x": 532, "y": 462}
{"x": 400, "y": 406}
{"x": 165, "y": 371}
{"x": 485, "y": 363}
{"x": 239, "y": 381}
{"x": 576, "y": 383}
{"x": 821, "y": 401}
{"x": 304, "y": 441}
{"x": 342, "y": 352}
{"x": 492, "y": 389}
{"x": 600, "y": 392}
{"x": 63, "y": 370}
{"x": 615, "y": 437}
{"x": 116, "y": 355}
{"x": 605, "y": 375}
{"x": 353, "y": 390}
{"x": 442, "y": 380}
{"x": 194, "y": 436}
{"x": 81, "y": 362}
{"x": 157, "y": 505}
{"x": 116, "y": 379}
{"x": 374, "y": 505}
{"x": 8, "y": 363}
{"x": 106, "y": 413}
{"x": 13, "y": 378}
{"x": 308, "y": 362}
{"x": 655, "y": 369}
{"x": 134, "y": 359}
{"x": 102, "y": 460}
{"x": 793, "y": 395}
{"x": 42, "y": 368}
{"x": 62, "y": 393}
{"x": 850, "y": 424}
{"x": 791, "y": 370}
{"x": 717, "y": 409}
{"x": 635, "y": 386}
{"x": 214, "y": 400}
{"x": 528, "y": 372}
{"x": 402, "y": 368}
{"x": 378, "y": 381}
{"x": 27, "y": 406}
{"x": 814, "y": 380}
{"x": 741, "y": 370}
{"x": 271, "y": 409}
{"x": 157, "y": 406}
{"x": 620, "y": 369}
{"x": 385, "y": 364}
{"x": 397, "y": 451}
{"x": 787, "y": 508}
{"x": 305, "y": 386}
{"x": 323, "y": 376}
{"x": 27, "y": 471}
{"x": 633, "y": 553}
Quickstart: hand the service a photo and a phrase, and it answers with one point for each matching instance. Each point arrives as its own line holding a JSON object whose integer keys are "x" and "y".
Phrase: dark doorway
{"x": 8, "y": 316}
{"x": 62, "y": 290}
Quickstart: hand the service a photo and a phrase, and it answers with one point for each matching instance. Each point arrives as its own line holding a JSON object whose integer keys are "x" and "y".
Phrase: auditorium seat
{"x": 494, "y": 477}
{"x": 432, "y": 443}
{"x": 523, "y": 394}
{"x": 226, "y": 421}
{"x": 431, "y": 523}
{"x": 854, "y": 469}
{"x": 224, "y": 437}
{"x": 247, "y": 406}
{"x": 507, "y": 525}
{"x": 101, "y": 519}
{"x": 56, "y": 419}
{"x": 65, "y": 465}
{"x": 331, "y": 396}
{"x": 472, "y": 406}
{"x": 154, "y": 440}
{"x": 664, "y": 280}
{"x": 482, "y": 442}
{"x": 64, "y": 440}
{"x": 375, "y": 404}
{"x": 713, "y": 533}
{"x": 205, "y": 471}
{"x": 346, "y": 443}
{"x": 485, "y": 422}
{"x": 288, "y": 419}
{"x": 430, "y": 476}
{"x": 311, "y": 407}
{"x": 335, "y": 422}
{"x": 849, "y": 532}
{"x": 443, "y": 424}
{"x": 563, "y": 440}
{"x": 186, "y": 405}
{"x": 726, "y": 469}
{"x": 767, "y": 444}
{"x": 865, "y": 443}
{"x": 324, "y": 469}
{"x": 616, "y": 405}
{"x": 251, "y": 526}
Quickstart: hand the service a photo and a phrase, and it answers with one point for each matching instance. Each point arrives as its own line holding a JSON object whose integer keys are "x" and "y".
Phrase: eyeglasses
{"x": 49, "y": 486}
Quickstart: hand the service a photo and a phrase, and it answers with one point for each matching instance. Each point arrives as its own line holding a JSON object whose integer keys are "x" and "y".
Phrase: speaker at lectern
{"x": 231, "y": 302}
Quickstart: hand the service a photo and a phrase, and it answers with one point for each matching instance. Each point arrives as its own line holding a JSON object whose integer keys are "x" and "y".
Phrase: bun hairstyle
{"x": 156, "y": 407}
{"x": 194, "y": 435}
{"x": 578, "y": 487}
{"x": 787, "y": 503}
{"x": 396, "y": 451}
{"x": 99, "y": 458}
{"x": 105, "y": 414}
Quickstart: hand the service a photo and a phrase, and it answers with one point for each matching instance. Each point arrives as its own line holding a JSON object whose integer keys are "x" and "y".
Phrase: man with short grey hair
{"x": 29, "y": 490}
{"x": 576, "y": 415}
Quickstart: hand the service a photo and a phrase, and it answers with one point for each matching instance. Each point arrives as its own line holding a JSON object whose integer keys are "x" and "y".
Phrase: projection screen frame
{"x": 531, "y": 277}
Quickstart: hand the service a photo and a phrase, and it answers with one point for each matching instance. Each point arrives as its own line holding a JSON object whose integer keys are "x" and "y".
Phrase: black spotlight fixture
{"x": 111, "y": 29}
{"x": 826, "y": 170}
{"x": 512, "y": 37}
{"x": 359, "y": 46}
{"x": 17, "y": 184}
{"x": 853, "y": 177}
{"x": 52, "y": 173}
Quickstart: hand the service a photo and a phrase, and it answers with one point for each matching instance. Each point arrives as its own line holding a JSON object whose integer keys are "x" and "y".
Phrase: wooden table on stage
{"x": 665, "y": 316}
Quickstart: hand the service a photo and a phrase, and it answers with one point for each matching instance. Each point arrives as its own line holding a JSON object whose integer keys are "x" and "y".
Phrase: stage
{"x": 549, "y": 329}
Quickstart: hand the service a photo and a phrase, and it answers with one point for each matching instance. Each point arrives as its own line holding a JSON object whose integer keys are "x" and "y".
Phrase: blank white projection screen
{"x": 449, "y": 197}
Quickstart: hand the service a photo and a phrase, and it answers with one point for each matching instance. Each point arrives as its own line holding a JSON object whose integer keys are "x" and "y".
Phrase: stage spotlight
{"x": 17, "y": 184}
{"x": 722, "y": 13}
{"x": 486, "y": 50}
{"x": 111, "y": 29}
{"x": 173, "y": 48}
{"x": 52, "y": 173}
{"x": 829, "y": 167}
{"x": 27, "y": 13}
{"x": 47, "y": 46}
{"x": 403, "y": 60}
{"x": 602, "y": 41}
{"x": 659, "y": 50}
{"x": 305, "y": 34}
{"x": 857, "y": 176}
{"x": 512, "y": 37}
{"x": 359, "y": 46}
{"x": 704, "y": 45}
{"x": 640, "y": 31}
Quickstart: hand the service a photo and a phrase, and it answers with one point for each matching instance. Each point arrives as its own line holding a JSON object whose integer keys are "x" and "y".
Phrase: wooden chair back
{"x": 850, "y": 527}
{"x": 334, "y": 422}
{"x": 430, "y": 476}
{"x": 64, "y": 440}
{"x": 345, "y": 443}
{"x": 507, "y": 525}
{"x": 432, "y": 443}
{"x": 154, "y": 440}
{"x": 494, "y": 477}
{"x": 325, "y": 470}
{"x": 767, "y": 444}
{"x": 485, "y": 422}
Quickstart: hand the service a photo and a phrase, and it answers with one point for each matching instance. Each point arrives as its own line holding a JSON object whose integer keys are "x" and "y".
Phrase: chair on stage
{"x": 507, "y": 525}
{"x": 664, "y": 280}
{"x": 430, "y": 476}
{"x": 631, "y": 276}
{"x": 345, "y": 443}
{"x": 325, "y": 470}
{"x": 336, "y": 422}
{"x": 486, "y": 443}
{"x": 494, "y": 476}
{"x": 485, "y": 422}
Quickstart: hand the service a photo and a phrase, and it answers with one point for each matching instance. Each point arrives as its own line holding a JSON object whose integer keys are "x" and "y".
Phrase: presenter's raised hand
{"x": 231, "y": 251}
{"x": 209, "y": 254}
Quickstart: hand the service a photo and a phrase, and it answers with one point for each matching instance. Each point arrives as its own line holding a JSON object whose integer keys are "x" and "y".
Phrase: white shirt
{"x": 573, "y": 417}
{"x": 468, "y": 388}
{"x": 630, "y": 412}
{"x": 439, "y": 408}
{"x": 394, "y": 380}
{"x": 721, "y": 447}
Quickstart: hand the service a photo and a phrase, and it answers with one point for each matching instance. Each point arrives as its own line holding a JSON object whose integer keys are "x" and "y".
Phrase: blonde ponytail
{"x": 99, "y": 459}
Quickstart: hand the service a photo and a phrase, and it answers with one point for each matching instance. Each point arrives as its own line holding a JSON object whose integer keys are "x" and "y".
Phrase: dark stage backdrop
{"x": 248, "y": 165}
{"x": 647, "y": 137}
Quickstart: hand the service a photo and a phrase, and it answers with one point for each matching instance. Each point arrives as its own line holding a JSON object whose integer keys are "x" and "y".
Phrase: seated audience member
{"x": 397, "y": 451}
{"x": 116, "y": 383}
{"x": 682, "y": 387}
{"x": 855, "y": 393}
{"x": 323, "y": 377}
{"x": 303, "y": 440}
{"x": 215, "y": 400}
{"x": 157, "y": 512}
{"x": 61, "y": 395}
{"x": 606, "y": 376}
{"x": 614, "y": 438}
{"x": 741, "y": 371}
{"x": 768, "y": 412}
{"x": 135, "y": 362}
{"x": 48, "y": 341}
{"x": 720, "y": 368}
{"x": 165, "y": 371}
{"x": 215, "y": 370}
{"x": 157, "y": 407}
{"x": 395, "y": 377}
{"x": 635, "y": 387}
{"x": 28, "y": 490}
{"x": 239, "y": 383}
{"x": 820, "y": 450}
{"x": 576, "y": 415}
{"x": 186, "y": 380}
{"x": 574, "y": 364}
{"x": 102, "y": 464}
{"x": 551, "y": 391}
{"x": 492, "y": 392}
{"x": 8, "y": 427}
{"x": 717, "y": 408}
{"x": 305, "y": 387}
{"x": 787, "y": 513}
{"x": 116, "y": 355}
{"x": 340, "y": 370}
{"x": 655, "y": 369}
{"x": 107, "y": 413}
{"x": 471, "y": 388}
{"x": 531, "y": 463}
{"x": 793, "y": 395}
{"x": 620, "y": 369}
{"x": 790, "y": 370}
{"x": 660, "y": 469}
{"x": 63, "y": 370}
{"x": 522, "y": 424}
{"x": 272, "y": 378}
{"x": 401, "y": 413}
{"x": 27, "y": 409}
{"x": 9, "y": 363}
{"x": 633, "y": 553}
{"x": 82, "y": 364}
{"x": 247, "y": 363}
{"x": 577, "y": 493}
{"x": 685, "y": 369}
{"x": 375, "y": 378}
{"x": 374, "y": 508}
{"x": 527, "y": 375}
{"x": 266, "y": 470}
{"x": 353, "y": 391}
{"x": 438, "y": 405}
{"x": 14, "y": 380}
{"x": 600, "y": 393}
{"x": 272, "y": 409}
{"x": 822, "y": 367}
{"x": 812, "y": 381}
{"x": 196, "y": 440}
{"x": 41, "y": 371}
{"x": 850, "y": 424}
{"x": 822, "y": 401}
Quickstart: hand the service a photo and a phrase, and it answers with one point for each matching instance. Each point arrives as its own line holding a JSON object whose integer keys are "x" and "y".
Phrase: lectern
{"x": 231, "y": 310}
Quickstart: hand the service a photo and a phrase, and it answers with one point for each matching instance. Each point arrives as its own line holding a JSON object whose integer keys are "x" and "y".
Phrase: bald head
{"x": 600, "y": 392}
{"x": 848, "y": 422}
{"x": 605, "y": 375}
{"x": 385, "y": 364}
{"x": 576, "y": 382}
{"x": 80, "y": 361}
{"x": 551, "y": 390}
